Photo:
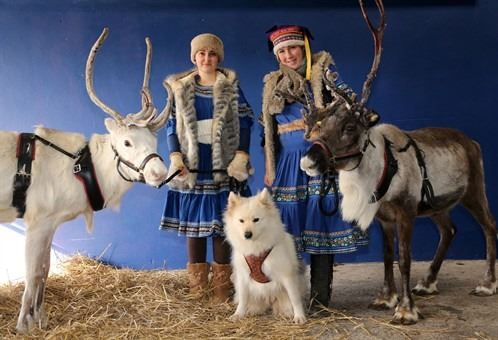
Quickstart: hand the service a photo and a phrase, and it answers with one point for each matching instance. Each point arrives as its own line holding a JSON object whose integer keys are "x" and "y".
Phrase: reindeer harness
{"x": 255, "y": 263}
{"x": 82, "y": 169}
{"x": 427, "y": 191}
{"x": 390, "y": 169}
{"x": 388, "y": 173}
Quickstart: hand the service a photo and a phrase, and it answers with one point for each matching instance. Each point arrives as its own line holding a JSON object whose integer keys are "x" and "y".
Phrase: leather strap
{"x": 390, "y": 169}
{"x": 25, "y": 155}
{"x": 84, "y": 171}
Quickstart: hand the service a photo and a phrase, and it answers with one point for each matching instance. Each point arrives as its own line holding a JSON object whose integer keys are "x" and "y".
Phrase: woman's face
{"x": 291, "y": 56}
{"x": 206, "y": 60}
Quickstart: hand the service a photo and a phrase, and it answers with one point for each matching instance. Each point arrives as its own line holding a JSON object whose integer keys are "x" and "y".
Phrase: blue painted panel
{"x": 439, "y": 69}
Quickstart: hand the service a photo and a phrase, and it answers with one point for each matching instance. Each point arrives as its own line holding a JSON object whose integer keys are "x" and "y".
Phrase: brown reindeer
{"x": 395, "y": 176}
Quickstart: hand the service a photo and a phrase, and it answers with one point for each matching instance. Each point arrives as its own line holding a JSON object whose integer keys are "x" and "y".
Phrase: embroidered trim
{"x": 295, "y": 125}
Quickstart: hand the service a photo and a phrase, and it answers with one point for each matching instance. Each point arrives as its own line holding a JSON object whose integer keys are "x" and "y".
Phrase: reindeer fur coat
{"x": 225, "y": 127}
{"x": 283, "y": 80}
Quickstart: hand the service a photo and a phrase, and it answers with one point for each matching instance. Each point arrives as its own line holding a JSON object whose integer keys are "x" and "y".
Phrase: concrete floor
{"x": 452, "y": 314}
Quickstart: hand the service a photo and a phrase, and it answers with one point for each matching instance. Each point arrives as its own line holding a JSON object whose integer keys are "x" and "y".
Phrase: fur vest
{"x": 286, "y": 79}
{"x": 225, "y": 127}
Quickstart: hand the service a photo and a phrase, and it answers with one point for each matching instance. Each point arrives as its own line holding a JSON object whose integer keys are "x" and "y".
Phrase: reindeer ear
{"x": 111, "y": 125}
{"x": 371, "y": 118}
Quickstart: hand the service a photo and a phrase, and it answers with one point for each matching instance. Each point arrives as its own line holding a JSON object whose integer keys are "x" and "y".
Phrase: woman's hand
{"x": 176, "y": 164}
{"x": 240, "y": 168}
{"x": 267, "y": 181}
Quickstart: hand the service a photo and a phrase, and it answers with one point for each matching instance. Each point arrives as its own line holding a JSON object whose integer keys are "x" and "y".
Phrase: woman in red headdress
{"x": 295, "y": 193}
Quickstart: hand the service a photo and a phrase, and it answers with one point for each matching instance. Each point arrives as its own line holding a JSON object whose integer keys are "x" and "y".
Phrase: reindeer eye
{"x": 241, "y": 221}
{"x": 350, "y": 128}
{"x": 255, "y": 220}
{"x": 127, "y": 143}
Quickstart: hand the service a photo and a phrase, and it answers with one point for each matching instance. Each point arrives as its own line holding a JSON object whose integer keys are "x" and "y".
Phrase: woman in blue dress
{"x": 295, "y": 193}
{"x": 209, "y": 130}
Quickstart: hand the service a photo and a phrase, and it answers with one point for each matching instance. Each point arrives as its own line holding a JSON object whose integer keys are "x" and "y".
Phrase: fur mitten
{"x": 177, "y": 164}
{"x": 240, "y": 168}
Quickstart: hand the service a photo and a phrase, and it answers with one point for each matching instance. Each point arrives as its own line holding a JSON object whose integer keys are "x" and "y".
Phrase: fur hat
{"x": 206, "y": 40}
{"x": 286, "y": 35}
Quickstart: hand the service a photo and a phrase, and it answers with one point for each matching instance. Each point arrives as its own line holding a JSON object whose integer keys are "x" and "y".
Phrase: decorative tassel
{"x": 307, "y": 50}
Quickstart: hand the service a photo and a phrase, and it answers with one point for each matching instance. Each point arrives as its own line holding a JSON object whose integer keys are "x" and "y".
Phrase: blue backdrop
{"x": 439, "y": 68}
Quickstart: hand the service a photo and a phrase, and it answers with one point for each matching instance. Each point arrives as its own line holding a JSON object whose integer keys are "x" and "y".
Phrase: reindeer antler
{"x": 89, "y": 77}
{"x": 147, "y": 112}
{"x": 378, "y": 34}
{"x": 147, "y": 116}
{"x": 159, "y": 120}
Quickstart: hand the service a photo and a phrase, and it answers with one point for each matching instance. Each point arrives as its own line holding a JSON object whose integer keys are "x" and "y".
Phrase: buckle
{"x": 76, "y": 168}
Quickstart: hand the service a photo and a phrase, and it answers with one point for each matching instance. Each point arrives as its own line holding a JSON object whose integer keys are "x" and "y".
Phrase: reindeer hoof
{"x": 422, "y": 288}
{"x": 485, "y": 289}
{"x": 405, "y": 316}
{"x": 383, "y": 302}
{"x": 26, "y": 323}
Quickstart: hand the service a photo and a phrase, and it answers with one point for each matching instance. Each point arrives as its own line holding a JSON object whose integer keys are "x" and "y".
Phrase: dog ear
{"x": 265, "y": 197}
{"x": 233, "y": 199}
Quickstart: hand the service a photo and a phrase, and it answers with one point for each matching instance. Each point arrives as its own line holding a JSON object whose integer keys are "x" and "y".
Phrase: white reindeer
{"x": 125, "y": 155}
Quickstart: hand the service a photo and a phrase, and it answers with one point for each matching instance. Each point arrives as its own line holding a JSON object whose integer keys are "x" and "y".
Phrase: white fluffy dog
{"x": 266, "y": 270}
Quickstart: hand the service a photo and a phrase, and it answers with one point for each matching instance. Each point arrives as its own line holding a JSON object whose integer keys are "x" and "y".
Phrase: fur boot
{"x": 222, "y": 285}
{"x": 321, "y": 270}
{"x": 198, "y": 277}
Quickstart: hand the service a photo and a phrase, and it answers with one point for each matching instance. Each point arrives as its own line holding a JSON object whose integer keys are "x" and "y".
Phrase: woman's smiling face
{"x": 291, "y": 56}
{"x": 206, "y": 60}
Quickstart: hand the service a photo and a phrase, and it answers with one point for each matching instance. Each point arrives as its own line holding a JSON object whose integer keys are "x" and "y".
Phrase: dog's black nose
{"x": 248, "y": 234}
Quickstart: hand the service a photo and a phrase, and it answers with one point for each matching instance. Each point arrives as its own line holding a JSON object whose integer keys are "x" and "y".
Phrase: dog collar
{"x": 255, "y": 262}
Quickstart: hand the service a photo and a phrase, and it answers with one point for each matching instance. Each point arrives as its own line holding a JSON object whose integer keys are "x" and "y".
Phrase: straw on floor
{"x": 91, "y": 300}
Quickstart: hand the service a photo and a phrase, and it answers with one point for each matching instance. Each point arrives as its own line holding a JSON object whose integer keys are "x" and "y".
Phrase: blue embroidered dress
{"x": 297, "y": 196}
{"x": 198, "y": 212}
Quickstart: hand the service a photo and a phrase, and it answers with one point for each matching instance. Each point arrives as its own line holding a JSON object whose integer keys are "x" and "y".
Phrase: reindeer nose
{"x": 248, "y": 234}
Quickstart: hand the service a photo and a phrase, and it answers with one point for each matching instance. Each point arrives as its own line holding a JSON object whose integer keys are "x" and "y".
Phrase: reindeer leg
{"x": 406, "y": 312}
{"x": 428, "y": 285}
{"x": 38, "y": 241}
{"x": 478, "y": 207}
{"x": 387, "y": 298}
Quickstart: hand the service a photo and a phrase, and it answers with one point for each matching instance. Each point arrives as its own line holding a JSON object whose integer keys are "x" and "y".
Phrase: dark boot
{"x": 321, "y": 270}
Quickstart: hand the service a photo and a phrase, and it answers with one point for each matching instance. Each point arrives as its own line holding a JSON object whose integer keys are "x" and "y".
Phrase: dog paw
{"x": 299, "y": 319}
{"x": 235, "y": 317}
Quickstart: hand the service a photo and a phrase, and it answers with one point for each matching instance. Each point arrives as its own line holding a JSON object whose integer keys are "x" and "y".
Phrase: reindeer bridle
{"x": 138, "y": 169}
{"x": 333, "y": 159}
